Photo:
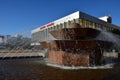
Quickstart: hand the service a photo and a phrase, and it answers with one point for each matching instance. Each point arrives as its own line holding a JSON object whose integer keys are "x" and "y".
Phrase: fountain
{"x": 77, "y": 46}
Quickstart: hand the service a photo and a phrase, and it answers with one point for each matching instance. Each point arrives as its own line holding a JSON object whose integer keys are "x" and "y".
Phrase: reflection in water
{"x": 35, "y": 69}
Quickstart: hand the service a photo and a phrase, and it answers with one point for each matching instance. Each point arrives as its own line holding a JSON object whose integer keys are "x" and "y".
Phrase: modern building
{"x": 85, "y": 20}
{"x": 1, "y": 39}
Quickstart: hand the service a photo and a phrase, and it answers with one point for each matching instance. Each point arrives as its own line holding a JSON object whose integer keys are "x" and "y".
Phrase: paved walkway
{"x": 20, "y": 55}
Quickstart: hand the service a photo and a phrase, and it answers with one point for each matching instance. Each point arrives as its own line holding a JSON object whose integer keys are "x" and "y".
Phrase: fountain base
{"x": 84, "y": 53}
{"x": 69, "y": 59}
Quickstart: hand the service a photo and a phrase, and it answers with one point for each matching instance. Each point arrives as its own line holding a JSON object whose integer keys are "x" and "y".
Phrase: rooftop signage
{"x": 51, "y": 24}
{"x": 46, "y": 26}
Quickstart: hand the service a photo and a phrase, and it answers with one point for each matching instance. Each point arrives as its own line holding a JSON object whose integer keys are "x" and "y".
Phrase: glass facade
{"x": 92, "y": 24}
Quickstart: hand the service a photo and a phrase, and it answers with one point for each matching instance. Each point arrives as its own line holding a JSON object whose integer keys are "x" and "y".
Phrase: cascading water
{"x": 113, "y": 53}
{"x": 107, "y": 36}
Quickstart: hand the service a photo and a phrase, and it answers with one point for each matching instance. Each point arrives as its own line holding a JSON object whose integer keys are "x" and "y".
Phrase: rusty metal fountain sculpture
{"x": 76, "y": 46}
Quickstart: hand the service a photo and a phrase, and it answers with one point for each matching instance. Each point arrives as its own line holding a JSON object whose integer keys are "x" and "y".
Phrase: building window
{"x": 77, "y": 20}
{"x": 81, "y": 22}
{"x": 96, "y": 25}
{"x": 55, "y": 27}
{"x": 69, "y": 22}
{"x": 104, "y": 28}
{"x": 65, "y": 24}
{"x": 85, "y": 23}
{"x": 93, "y": 24}
{"x": 74, "y": 21}
{"x": 61, "y": 26}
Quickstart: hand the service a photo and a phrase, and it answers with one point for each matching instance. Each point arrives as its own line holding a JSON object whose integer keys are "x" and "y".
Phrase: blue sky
{"x": 21, "y": 16}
